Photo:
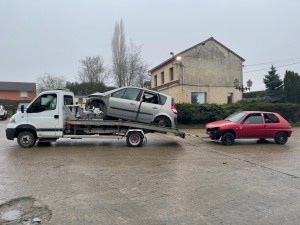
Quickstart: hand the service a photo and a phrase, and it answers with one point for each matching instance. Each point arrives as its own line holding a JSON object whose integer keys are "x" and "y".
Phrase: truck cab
{"x": 44, "y": 118}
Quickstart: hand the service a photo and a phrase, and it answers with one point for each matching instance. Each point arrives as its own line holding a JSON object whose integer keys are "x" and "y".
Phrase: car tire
{"x": 281, "y": 138}
{"x": 163, "y": 121}
{"x": 134, "y": 139}
{"x": 26, "y": 139}
{"x": 228, "y": 139}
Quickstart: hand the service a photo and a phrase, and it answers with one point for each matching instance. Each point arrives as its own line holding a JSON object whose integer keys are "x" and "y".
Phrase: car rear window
{"x": 163, "y": 99}
{"x": 270, "y": 118}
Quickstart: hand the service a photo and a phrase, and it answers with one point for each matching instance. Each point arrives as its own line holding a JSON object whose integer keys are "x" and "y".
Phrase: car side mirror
{"x": 22, "y": 108}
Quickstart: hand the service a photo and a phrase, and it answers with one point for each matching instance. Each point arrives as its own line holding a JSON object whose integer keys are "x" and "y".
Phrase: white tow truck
{"x": 53, "y": 115}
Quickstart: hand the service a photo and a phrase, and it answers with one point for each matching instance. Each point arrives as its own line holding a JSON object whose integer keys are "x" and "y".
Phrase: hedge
{"x": 204, "y": 113}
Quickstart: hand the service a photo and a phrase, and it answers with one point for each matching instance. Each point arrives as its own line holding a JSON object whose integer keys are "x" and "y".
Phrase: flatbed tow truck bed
{"x": 117, "y": 129}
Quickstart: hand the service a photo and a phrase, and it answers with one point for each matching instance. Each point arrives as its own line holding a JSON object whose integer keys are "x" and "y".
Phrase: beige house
{"x": 203, "y": 73}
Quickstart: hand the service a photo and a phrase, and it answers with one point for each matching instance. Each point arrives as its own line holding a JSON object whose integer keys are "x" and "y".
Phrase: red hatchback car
{"x": 250, "y": 124}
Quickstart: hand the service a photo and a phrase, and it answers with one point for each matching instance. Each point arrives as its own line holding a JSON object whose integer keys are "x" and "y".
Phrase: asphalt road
{"x": 169, "y": 180}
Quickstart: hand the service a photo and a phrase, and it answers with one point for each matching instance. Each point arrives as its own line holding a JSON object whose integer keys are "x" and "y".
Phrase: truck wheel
{"x": 228, "y": 139}
{"x": 281, "y": 138}
{"x": 134, "y": 139}
{"x": 26, "y": 139}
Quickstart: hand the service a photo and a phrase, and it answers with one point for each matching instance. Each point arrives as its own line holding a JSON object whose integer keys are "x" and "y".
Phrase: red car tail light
{"x": 173, "y": 109}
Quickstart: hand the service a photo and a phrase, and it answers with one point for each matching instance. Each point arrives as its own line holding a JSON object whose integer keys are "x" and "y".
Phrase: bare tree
{"x": 136, "y": 68}
{"x": 93, "y": 70}
{"x": 119, "y": 61}
{"x": 49, "y": 82}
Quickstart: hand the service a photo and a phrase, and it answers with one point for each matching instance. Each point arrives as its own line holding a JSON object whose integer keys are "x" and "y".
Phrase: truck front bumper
{"x": 10, "y": 133}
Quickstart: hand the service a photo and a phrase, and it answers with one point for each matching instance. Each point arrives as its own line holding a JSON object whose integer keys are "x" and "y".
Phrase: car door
{"x": 150, "y": 106}
{"x": 123, "y": 103}
{"x": 43, "y": 114}
{"x": 252, "y": 126}
{"x": 272, "y": 124}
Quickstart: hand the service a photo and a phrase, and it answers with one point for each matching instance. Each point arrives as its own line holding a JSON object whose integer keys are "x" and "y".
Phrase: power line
{"x": 274, "y": 66}
{"x": 273, "y": 62}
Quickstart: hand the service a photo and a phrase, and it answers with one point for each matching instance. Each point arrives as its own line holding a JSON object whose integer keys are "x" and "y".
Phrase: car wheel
{"x": 228, "y": 139}
{"x": 163, "y": 122}
{"x": 134, "y": 139}
{"x": 26, "y": 139}
{"x": 281, "y": 138}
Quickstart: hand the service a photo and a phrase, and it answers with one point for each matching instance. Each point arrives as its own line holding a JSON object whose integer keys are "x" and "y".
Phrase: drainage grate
{"x": 24, "y": 211}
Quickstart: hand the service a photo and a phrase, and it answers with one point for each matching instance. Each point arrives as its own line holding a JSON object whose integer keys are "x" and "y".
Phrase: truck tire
{"x": 134, "y": 139}
{"x": 26, "y": 139}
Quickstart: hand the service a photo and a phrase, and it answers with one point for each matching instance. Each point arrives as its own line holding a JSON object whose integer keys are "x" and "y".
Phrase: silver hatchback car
{"x": 136, "y": 104}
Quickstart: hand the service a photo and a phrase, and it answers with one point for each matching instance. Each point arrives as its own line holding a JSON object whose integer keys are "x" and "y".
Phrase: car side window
{"x": 270, "y": 118}
{"x": 163, "y": 99}
{"x": 132, "y": 94}
{"x": 43, "y": 103}
{"x": 253, "y": 119}
{"x": 119, "y": 93}
{"x": 149, "y": 97}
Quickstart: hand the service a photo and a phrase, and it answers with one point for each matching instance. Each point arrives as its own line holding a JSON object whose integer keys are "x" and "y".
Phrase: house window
{"x": 162, "y": 77}
{"x": 229, "y": 98}
{"x": 171, "y": 71}
{"x": 23, "y": 94}
{"x": 199, "y": 97}
{"x": 155, "y": 80}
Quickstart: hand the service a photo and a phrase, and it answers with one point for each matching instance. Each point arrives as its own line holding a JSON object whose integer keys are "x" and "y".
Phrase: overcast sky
{"x": 51, "y": 36}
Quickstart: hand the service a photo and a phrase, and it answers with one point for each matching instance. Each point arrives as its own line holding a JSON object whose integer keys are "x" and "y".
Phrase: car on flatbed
{"x": 136, "y": 104}
{"x": 250, "y": 124}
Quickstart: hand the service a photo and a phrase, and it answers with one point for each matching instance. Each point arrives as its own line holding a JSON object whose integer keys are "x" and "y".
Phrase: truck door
{"x": 43, "y": 114}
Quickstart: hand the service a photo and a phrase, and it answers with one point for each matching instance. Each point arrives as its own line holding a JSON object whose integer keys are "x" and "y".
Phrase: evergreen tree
{"x": 274, "y": 86}
{"x": 291, "y": 87}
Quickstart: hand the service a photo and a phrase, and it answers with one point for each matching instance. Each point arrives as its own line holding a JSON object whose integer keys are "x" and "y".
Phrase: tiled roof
{"x": 17, "y": 86}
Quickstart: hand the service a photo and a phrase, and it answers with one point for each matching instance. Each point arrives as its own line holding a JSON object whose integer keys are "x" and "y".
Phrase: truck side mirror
{"x": 22, "y": 108}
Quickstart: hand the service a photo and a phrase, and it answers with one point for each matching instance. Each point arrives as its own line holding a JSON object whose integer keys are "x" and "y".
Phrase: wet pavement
{"x": 169, "y": 180}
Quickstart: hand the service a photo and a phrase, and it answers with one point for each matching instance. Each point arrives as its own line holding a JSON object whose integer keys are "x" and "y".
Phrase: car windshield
{"x": 235, "y": 117}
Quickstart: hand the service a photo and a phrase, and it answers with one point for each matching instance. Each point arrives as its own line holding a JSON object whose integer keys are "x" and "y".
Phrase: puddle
{"x": 24, "y": 211}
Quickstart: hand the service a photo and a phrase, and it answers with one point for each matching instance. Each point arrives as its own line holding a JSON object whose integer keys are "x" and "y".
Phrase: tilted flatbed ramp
{"x": 129, "y": 124}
